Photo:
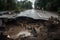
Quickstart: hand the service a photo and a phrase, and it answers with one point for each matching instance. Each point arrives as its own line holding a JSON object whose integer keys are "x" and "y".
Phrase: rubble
{"x": 40, "y": 29}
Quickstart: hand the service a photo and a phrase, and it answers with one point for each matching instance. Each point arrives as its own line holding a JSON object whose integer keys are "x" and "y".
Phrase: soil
{"x": 42, "y": 29}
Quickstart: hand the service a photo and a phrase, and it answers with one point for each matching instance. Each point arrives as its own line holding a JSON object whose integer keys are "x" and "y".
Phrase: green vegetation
{"x": 7, "y": 5}
{"x": 51, "y": 5}
{"x": 14, "y": 5}
{"x": 24, "y": 5}
{"x": 58, "y": 10}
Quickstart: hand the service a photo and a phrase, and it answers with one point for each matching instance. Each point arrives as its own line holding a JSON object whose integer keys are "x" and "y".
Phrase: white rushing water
{"x": 24, "y": 34}
{"x": 21, "y": 34}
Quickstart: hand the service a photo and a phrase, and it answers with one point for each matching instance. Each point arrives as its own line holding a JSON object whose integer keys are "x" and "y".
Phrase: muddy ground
{"x": 41, "y": 29}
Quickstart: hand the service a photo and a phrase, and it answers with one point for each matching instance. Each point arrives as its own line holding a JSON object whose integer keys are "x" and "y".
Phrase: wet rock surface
{"x": 40, "y": 29}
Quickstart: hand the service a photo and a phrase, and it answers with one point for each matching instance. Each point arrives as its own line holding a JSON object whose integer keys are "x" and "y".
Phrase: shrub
{"x": 58, "y": 10}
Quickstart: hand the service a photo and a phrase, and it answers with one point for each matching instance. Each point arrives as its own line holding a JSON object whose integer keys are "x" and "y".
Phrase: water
{"x": 37, "y": 14}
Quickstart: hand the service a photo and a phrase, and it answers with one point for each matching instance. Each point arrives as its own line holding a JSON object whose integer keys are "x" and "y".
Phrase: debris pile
{"x": 35, "y": 29}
